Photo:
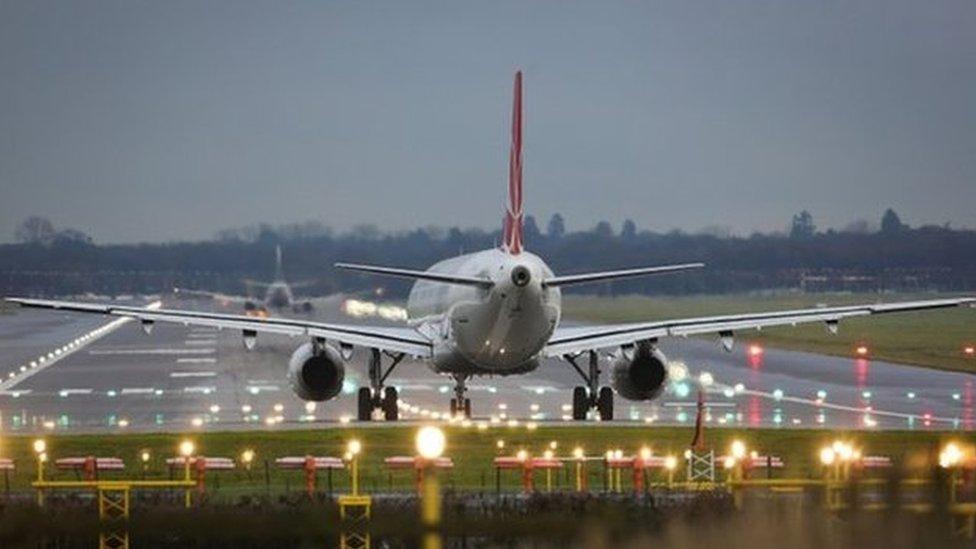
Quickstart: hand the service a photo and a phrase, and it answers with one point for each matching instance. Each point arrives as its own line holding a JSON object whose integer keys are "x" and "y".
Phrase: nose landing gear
{"x": 591, "y": 396}
{"x": 376, "y": 396}
{"x": 459, "y": 404}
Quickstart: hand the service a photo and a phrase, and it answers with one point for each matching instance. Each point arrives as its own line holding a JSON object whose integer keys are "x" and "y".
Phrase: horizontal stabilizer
{"x": 626, "y": 273}
{"x": 420, "y": 275}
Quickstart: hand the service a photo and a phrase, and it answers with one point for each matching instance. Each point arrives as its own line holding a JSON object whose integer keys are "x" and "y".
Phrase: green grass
{"x": 471, "y": 449}
{"x": 934, "y": 338}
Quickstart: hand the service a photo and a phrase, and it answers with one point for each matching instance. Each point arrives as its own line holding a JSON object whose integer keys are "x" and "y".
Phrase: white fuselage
{"x": 497, "y": 330}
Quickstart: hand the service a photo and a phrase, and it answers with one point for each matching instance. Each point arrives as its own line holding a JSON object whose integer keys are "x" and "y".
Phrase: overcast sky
{"x": 149, "y": 121}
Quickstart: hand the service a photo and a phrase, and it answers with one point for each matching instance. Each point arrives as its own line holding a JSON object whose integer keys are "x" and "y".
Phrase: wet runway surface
{"x": 180, "y": 378}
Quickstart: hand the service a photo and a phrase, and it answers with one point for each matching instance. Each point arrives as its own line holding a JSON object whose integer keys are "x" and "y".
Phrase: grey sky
{"x": 169, "y": 120}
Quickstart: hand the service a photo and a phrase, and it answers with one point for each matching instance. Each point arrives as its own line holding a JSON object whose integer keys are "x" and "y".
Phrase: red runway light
{"x": 755, "y": 350}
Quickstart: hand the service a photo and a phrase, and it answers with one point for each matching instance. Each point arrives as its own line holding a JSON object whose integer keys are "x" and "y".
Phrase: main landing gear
{"x": 592, "y": 395}
{"x": 459, "y": 404}
{"x": 376, "y": 396}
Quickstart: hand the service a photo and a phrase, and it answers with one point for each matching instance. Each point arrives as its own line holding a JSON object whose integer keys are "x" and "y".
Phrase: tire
{"x": 391, "y": 411}
{"x": 365, "y": 404}
{"x": 454, "y": 407}
{"x": 467, "y": 408}
{"x": 604, "y": 404}
{"x": 581, "y": 403}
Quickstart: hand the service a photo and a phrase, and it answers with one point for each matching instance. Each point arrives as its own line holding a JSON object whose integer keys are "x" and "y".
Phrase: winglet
{"x": 513, "y": 213}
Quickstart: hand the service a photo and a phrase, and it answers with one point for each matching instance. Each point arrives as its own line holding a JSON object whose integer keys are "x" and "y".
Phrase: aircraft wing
{"x": 183, "y": 292}
{"x": 393, "y": 339}
{"x": 577, "y": 339}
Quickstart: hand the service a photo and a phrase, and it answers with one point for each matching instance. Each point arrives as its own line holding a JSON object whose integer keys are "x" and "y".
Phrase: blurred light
{"x": 247, "y": 456}
{"x": 861, "y": 350}
{"x": 578, "y": 453}
{"x": 969, "y": 350}
{"x": 430, "y": 442}
{"x": 645, "y": 453}
{"x": 547, "y": 454}
{"x": 778, "y": 394}
{"x": 950, "y": 456}
{"x": 522, "y": 455}
{"x": 279, "y": 407}
{"x": 500, "y": 444}
{"x": 705, "y": 379}
{"x": 821, "y": 394}
{"x": 729, "y": 462}
{"x": 670, "y": 463}
{"x": 755, "y": 349}
{"x": 738, "y": 449}
{"x": 214, "y": 409}
{"x": 553, "y": 445}
{"x": 354, "y": 447}
{"x": 827, "y": 456}
{"x": 40, "y": 446}
{"x": 144, "y": 456}
{"x": 187, "y": 448}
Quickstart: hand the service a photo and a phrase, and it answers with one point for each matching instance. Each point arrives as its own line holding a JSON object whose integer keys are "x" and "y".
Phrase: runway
{"x": 182, "y": 378}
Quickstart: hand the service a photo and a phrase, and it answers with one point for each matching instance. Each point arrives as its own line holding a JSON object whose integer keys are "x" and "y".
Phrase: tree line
{"x": 894, "y": 256}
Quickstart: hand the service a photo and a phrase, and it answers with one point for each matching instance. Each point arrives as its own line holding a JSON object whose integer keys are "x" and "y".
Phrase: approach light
{"x": 353, "y": 447}
{"x": 729, "y": 462}
{"x": 547, "y": 454}
{"x": 827, "y": 456}
{"x": 738, "y": 449}
{"x": 522, "y": 455}
{"x": 670, "y": 463}
{"x": 500, "y": 444}
{"x": 247, "y": 456}
{"x": 187, "y": 448}
{"x": 755, "y": 350}
{"x": 862, "y": 350}
{"x": 950, "y": 456}
{"x": 144, "y": 456}
{"x": 430, "y": 442}
{"x": 578, "y": 453}
{"x": 40, "y": 446}
{"x": 553, "y": 445}
{"x": 645, "y": 453}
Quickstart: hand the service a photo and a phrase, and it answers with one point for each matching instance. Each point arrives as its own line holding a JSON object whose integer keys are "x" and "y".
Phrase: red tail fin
{"x": 513, "y": 215}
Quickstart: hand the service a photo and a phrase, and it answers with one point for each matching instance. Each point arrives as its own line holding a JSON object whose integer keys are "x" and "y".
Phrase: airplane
{"x": 278, "y": 294}
{"x": 494, "y": 312}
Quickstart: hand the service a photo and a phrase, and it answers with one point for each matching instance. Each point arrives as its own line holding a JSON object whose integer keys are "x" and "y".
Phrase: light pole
{"x": 353, "y": 448}
{"x": 670, "y": 463}
{"x": 579, "y": 456}
{"x": 430, "y": 446}
{"x": 186, "y": 450}
{"x": 144, "y": 458}
{"x": 40, "y": 450}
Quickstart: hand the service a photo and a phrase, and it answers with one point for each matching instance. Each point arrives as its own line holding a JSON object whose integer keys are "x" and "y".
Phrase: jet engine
{"x": 316, "y": 371}
{"x": 639, "y": 373}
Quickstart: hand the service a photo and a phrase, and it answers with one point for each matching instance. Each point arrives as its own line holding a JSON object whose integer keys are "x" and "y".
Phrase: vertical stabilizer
{"x": 513, "y": 213}
{"x": 279, "y": 269}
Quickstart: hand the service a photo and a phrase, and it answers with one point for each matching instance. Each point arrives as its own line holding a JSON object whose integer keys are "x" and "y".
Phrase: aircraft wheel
{"x": 467, "y": 408}
{"x": 604, "y": 404}
{"x": 391, "y": 412}
{"x": 454, "y": 407}
{"x": 365, "y": 404}
{"x": 581, "y": 403}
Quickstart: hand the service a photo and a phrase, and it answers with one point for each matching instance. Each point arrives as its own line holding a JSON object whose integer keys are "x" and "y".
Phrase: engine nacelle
{"x": 640, "y": 373}
{"x": 316, "y": 371}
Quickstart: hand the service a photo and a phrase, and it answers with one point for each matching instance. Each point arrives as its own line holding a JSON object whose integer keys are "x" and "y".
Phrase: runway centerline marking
{"x": 196, "y": 361}
{"x": 151, "y": 351}
{"x": 192, "y": 374}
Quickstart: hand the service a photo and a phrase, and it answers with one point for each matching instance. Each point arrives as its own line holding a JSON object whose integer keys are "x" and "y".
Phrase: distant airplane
{"x": 278, "y": 294}
{"x": 494, "y": 312}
